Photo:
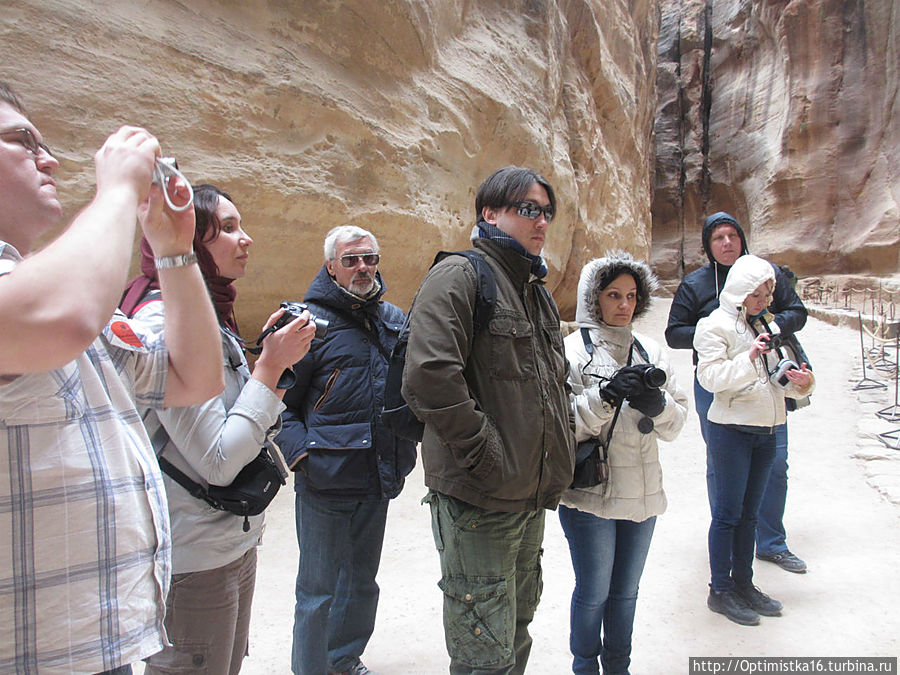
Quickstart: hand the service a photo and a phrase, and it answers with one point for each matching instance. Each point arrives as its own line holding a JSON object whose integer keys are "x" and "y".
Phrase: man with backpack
{"x": 348, "y": 464}
{"x": 498, "y": 445}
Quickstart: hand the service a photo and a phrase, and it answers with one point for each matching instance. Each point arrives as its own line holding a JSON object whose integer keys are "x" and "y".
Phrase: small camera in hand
{"x": 159, "y": 176}
{"x": 773, "y": 342}
{"x": 294, "y": 309}
{"x": 779, "y": 374}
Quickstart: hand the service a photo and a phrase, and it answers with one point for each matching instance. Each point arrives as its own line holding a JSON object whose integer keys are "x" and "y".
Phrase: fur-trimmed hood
{"x": 598, "y": 273}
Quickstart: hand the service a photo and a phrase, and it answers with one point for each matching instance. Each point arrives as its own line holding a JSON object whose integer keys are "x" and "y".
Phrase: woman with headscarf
{"x": 620, "y": 398}
{"x": 738, "y": 363}
{"x": 214, "y": 551}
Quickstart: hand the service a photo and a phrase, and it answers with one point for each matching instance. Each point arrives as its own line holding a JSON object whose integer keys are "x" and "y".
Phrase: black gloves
{"x": 627, "y": 382}
{"x": 651, "y": 402}
{"x": 630, "y": 384}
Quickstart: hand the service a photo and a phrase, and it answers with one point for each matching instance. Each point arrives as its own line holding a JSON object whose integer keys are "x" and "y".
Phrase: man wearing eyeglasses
{"x": 499, "y": 437}
{"x": 348, "y": 465}
{"x": 85, "y": 549}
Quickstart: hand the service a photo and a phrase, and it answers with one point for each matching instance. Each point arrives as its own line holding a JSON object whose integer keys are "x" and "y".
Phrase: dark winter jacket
{"x": 698, "y": 294}
{"x": 498, "y": 424}
{"x": 332, "y": 434}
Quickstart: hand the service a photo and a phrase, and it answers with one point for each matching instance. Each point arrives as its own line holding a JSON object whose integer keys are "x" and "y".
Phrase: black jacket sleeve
{"x": 789, "y": 311}
{"x": 683, "y": 318}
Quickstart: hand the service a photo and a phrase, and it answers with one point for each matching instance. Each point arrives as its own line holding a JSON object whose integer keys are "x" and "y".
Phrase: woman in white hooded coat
{"x": 736, "y": 363}
{"x": 609, "y": 526}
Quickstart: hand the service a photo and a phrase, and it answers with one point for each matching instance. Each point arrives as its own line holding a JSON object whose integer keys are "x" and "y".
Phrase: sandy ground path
{"x": 847, "y": 605}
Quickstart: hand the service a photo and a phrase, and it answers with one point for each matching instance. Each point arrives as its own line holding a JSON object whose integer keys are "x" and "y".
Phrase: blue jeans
{"x": 608, "y": 557}
{"x": 337, "y": 597}
{"x": 491, "y": 579}
{"x": 770, "y": 534}
{"x": 741, "y": 462}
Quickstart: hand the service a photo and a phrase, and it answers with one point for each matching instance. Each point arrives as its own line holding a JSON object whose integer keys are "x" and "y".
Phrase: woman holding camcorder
{"x": 625, "y": 397}
{"x": 737, "y": 362}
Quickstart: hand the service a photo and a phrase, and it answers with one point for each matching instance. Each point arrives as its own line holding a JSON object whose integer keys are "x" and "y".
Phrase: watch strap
{"x": 170, "y": 261}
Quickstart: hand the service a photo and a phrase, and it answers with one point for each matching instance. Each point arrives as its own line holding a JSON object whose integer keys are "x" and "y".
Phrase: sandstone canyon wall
{"x": 785, "y": 113}
{"x": 383, "y": 114}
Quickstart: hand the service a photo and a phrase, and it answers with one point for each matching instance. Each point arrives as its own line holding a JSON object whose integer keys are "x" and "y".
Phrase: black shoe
{"x": 759, "y": 601}
{"x": 733, "y": 606}
{"x": 785, "y": 560}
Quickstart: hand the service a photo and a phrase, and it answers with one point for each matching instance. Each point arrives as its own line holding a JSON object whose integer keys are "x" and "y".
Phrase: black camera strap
{"x": 589, "y": 348}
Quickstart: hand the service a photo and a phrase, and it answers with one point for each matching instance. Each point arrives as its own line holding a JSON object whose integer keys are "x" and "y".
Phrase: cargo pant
{"x": 491, "y": 579}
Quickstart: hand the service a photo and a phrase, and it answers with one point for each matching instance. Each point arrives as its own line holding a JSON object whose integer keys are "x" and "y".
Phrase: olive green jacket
{"x": 499, "y": 432}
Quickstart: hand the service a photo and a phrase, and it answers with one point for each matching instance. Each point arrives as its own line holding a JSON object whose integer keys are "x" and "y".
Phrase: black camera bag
{"x": 591, "y": 467}
{"x": 251, "y": 491}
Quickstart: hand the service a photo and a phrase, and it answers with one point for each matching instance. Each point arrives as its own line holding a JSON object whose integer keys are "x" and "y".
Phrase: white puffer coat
{"x": 635, "y": 488}
{"x": 742, "y": 391}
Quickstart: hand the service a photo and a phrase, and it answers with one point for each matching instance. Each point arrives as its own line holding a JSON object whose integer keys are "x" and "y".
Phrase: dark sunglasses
{"x": 26, "y": 138}
{"x": 370, "y": 259}
{"x": 531, "y": 210}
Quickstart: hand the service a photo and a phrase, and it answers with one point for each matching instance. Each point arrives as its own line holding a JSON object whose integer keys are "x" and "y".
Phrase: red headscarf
{"x": 221, "y": 289}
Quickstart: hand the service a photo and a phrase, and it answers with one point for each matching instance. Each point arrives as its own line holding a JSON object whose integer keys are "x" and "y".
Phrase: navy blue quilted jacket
{"x": 332, "y": 435}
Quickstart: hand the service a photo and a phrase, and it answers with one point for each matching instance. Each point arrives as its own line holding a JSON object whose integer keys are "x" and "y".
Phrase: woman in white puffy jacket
{"x": 609, "y": 526}
{"x": 737, "y": 365}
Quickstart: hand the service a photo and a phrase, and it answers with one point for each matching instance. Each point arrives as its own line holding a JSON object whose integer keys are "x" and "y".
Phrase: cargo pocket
{"x": 478, "y": 621}
{"x": 512, "y": 353}
{"x": 434, "y": 504}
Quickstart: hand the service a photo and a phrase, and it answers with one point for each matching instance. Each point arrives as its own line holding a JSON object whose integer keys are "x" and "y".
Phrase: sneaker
{"x": 759, "y": 601}
{"x": 785, "y": 560}
{"x": 733, "y": 606}
{"x": 357, "y": 668}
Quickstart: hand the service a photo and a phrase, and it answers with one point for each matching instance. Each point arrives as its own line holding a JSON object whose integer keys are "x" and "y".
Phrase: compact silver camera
{"x": 779, "y": 374}
{"x": 160, "y": 172}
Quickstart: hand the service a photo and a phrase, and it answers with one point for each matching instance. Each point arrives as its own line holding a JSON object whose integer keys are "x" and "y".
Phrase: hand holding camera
{"x": 310, "y": 326}
{"x": 651, "y": 402}
{"x": 627, "y": 381}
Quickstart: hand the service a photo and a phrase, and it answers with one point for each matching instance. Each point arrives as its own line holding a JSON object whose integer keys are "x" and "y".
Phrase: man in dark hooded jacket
{"x": 696, "y": 297}
{"x": 348, "y": 465}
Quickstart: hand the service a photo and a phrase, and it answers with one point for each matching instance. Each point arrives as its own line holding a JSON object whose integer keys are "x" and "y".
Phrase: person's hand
{"x": 169, "y": 232}
{"x": 627, "y": 381}
{"x": 287, "y": 345}
{"x": 760, "y": 345}
{"x": 802, "y": 378}
{"x": 126, "y": 160}
{"x": 651, "y": 401}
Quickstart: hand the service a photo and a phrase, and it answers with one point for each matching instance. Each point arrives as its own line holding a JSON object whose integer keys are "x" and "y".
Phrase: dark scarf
{"x": 498, "y": 236}
{"x": 221, "y": 289}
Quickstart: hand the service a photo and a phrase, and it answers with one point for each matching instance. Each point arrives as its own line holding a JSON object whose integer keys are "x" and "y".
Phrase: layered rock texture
{"x": 387, "y": 115}
{"x": 784, "y": 113}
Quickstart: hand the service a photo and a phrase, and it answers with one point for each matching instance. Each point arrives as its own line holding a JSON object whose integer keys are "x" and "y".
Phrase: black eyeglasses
{"x": 26, "y": 138}
{"x": 531, "y": 210}
{"x": 370, "y": 259}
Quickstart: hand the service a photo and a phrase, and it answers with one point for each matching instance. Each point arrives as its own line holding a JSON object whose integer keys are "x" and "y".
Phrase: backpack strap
{"x": 485, "y": 286}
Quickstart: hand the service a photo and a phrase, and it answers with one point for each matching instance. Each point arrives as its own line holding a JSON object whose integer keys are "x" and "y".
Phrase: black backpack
{"x": 396, "y": 415}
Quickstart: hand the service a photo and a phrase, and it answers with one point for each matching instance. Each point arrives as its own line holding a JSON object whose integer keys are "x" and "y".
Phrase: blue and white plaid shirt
{"x": 85, "y": 553}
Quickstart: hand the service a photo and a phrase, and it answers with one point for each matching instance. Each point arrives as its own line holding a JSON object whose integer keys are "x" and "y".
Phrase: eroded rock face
{"x": 387, "y": 115}
{"x": 786, "y": 116}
